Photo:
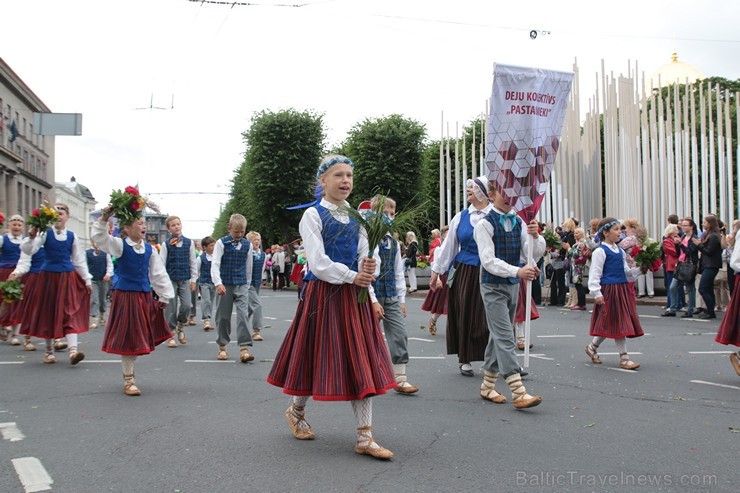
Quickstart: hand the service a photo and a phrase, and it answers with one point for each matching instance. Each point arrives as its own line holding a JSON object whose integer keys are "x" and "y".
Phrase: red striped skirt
{"x": 436, "y": 301}
{"x": 59, "y": 306}
{"x": 521, "y": 305}
{"x": 334, "y": 349}
{"x": 467, "y": 329}
{"x": 617, "y": 317}
{"x": 136, "y": 324}
{"x": 7, "y": 310}
{"x": 729, "y": 329}
{"x": 30, "y": 281}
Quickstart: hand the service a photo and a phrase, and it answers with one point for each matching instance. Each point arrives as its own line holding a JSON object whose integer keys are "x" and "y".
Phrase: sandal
{"x": 591, "y": 352}
{"x": 626, "y": 363}
{"x": 130, "y": 387}
{"x": 432, "y": 327}
{"x": 301, "y": 433}
{"x": 49, "y": 358}
{"x": 374, "y": 451}
{"x": 222, "y": 354}
{"x": 244, "y": 355}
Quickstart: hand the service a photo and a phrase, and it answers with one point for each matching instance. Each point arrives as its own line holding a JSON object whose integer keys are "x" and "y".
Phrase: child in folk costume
{"x": 231, "y": 272}
{"x": 136, "y": 324}
{"x": 334, "y": 349}
{"x": 435, "y": 301}
{"x": 729, "y": 329}
{"x": 60, "y": 305}
{"x": 178, "y": 253}
{"x": 390, "y": 304}
{"x": 467, "y": 332}
{"x": 27, "y": 271}
{"x": 207, "y": 289}
{"x": 502, "y": 242}
{"x": 100, "y": 266}
{"x": 615, "y": 316}
{"x": 10, "y": 253}
{"x": 258, "y": 267}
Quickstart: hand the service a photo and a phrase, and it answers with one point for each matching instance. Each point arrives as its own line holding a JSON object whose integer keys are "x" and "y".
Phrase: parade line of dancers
{"x": 334, "y": 349}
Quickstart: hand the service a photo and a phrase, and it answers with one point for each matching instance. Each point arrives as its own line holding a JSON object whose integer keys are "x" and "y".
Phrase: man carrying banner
{"x": 502, "y": 240}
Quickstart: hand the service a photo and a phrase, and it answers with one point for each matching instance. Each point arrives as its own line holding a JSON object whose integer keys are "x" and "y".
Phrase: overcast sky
{"x": 348, "y": 59}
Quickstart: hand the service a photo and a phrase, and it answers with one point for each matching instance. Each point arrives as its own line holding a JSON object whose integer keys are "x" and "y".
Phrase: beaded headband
{"x": 325, "y": 165}
{"x": 606, "y": 227}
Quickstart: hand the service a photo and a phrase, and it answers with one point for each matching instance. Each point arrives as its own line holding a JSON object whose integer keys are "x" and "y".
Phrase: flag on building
{"x": 13, "y": 131}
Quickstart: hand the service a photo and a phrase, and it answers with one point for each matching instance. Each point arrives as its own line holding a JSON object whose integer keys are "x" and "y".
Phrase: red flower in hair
{"x": 35, "y": 213}
{"x": 135, "y": 205}
{"x": 132, "y": 191}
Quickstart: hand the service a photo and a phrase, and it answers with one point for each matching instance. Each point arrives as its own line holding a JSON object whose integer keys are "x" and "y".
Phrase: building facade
{"x": 26, "y": 159}
{"x": 81, "y": 203}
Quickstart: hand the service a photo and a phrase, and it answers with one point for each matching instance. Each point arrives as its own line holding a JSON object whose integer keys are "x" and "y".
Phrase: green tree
{"x": 283, "y": 150}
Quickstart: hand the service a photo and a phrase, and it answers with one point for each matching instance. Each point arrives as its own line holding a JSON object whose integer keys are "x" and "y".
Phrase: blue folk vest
{"x": 613, "y": 272}
{"x": 234, "y": 262}
{"x": 385, "y": 285}
{"x": 468, "y": 253}
{"x": 258, "y": 260}
{"x": 204, "y": 276}
{"x": 97, "y": 264}
{"x": 58, "y": 253}
{"x": 340, "y": 240}
{"x": 133, "y": 269}
{"x": 508, "y": 247}
{"x": 9, "y": 254}
{"x": 178, "y": 260}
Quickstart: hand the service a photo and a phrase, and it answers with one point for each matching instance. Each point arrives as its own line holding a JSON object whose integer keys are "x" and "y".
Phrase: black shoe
{"x": 523, "y": 372}
{"x": 668, "y": 314}
{"x": 465, "y": 373}
{"x": 698, "y": 311}
{"x": 687, "y": 315}
{"x": 706, "y": 316}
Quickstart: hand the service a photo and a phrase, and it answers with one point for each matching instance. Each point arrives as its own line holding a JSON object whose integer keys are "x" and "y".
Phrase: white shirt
{"x": 77, "y": 257}
{"x": 320, "y": 264}
{"x": 279, "y": 259}
{"x": 193, "y": 268}
{"x": 218, "y": 253}
{"x": 23, "y": 265}
{"x": 158, "y": 277}
{"x": 598, "y": 257}
{"x": 735, "y": 258}
{"x": 450, "y": 247}
{"x": 483, "y": 234}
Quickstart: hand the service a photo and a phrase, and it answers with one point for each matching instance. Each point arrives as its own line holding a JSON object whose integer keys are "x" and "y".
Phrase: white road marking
{"x": 615, "y": 354}
{"x": 209, "y": 361}
{"x": 420, "y": 339}
{"x": 289, "y": 321}
{"x": 625, "y": 370}
{"x": 541, "y": 357}
{"x": 716, "y": 384}
{"x": 426, "y": 357}
{"x": 650, "y": 316}
{"x": 11, "y": 432}
{"x": 11, "y": 362}
{"x": 711, "y": 352}
{"x": 555, "y": 336}
{"x": 214, "y": 342}
{"x": 100, "y": 361}
{"x": 701, "y": 333}
{"x": 534, "y": 355}
{"x": 269, "y": 318}
{"x": 32, "y": 474}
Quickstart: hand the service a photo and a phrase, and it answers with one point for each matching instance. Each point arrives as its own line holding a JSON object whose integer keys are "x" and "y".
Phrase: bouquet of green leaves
{"x": 11, "y": 291}
{"x": 128, "y": 205}
{"x": 42, "y": 217}
{"x": 552, "y": 240}
{"x": 647, "y": 256}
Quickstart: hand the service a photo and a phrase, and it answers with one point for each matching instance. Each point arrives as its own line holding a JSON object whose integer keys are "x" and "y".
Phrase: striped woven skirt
{"x": 334, "y": 349}
{"x": 521, "y": 306}
{"x": 136, "y": 324}
{"x": 467, "y": 331}
{"x": 436, "y": 301}
{"x": 7, "y": 310}
{"x": 30, "y": 283}
{"x": 617, "y": 317}
{"x": 60, "y": 305}
{"x": 729, "y": 329}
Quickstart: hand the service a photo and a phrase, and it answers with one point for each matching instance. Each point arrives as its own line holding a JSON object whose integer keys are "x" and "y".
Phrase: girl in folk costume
{"x": 435, "y": 301}
{"x": 27, "y": 271}
{"x": 60, "y": 306}
{"x": 729, "y": 329}
{"x": 615, "y": 315}
{"x": 334, "y": 349}
{"x": 467, "y": 332}
{"x": 136, "y": 323}
{"x": 10, "y": 252}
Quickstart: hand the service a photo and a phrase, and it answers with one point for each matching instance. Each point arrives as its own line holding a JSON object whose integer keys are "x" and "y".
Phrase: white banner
{"x": 528, "y": 106}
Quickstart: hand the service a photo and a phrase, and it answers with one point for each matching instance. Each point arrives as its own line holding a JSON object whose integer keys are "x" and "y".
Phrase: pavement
{"x": 207, "y": 426}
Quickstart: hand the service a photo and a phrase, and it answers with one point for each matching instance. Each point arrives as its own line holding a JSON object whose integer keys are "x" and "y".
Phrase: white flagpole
{"x": 528, "y": 307}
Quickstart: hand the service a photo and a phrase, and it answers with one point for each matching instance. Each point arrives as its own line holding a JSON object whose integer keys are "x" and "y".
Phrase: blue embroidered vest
{"x": 385, "y": 284}
{"x": 508, "y": 247}
{"x": 340, "y": 240}
{"x": 97, "y": 264}
{"x": 58, "y": 253}
{"x": 613, "y": 272}
{"x": 133, "y": 269}
{"x": 178, "y": 260}
{"x": 234, "y": 262}
{"x": 9, "y": 254}
{"x": 468, "y": 253}
{"x": 37, "y": 260}
{"x": 258, "y": 260}
{"x": 204, "y": 276}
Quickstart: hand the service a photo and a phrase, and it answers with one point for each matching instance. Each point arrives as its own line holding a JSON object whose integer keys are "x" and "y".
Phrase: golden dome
{"x": 673, "y": 72}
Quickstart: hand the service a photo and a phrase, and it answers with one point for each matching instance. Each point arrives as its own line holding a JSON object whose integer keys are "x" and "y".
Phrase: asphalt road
{"x": 208, "y": 426}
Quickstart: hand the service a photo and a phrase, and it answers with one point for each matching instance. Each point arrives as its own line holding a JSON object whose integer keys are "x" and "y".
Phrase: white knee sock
{"x": 363, "y": 410}
{"x": 298, "y": 403}
{"x": 519, "y": 331}
{"x": 72, "y": 340}
{"x": 128, "y": 364}
{"x": 597, "y": 340}
{"x": 621, "y": 345}
{"x": 49, "y": 344}
{"x": 435, "y": 316}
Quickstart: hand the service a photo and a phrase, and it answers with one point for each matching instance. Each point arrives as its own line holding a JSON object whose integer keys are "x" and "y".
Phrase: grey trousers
{"x": 235, "y": 296}
{"x": 97, "y": 298}
{"x": 255, "y": 307}
{"x": 499, "y": 301}
{"x": 193, "y": 301}
{"x": 174, "y": 313}
{"x": 394, "y": 326}
{"x": 207, "y": 299}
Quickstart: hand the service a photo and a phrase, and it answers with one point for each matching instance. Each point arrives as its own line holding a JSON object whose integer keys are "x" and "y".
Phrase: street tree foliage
{"x": 388, "y": 154}
{"x": 283, "y": 150}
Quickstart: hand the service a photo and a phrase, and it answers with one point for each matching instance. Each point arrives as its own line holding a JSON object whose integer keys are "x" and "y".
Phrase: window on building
{"x": 25, "y": 134}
